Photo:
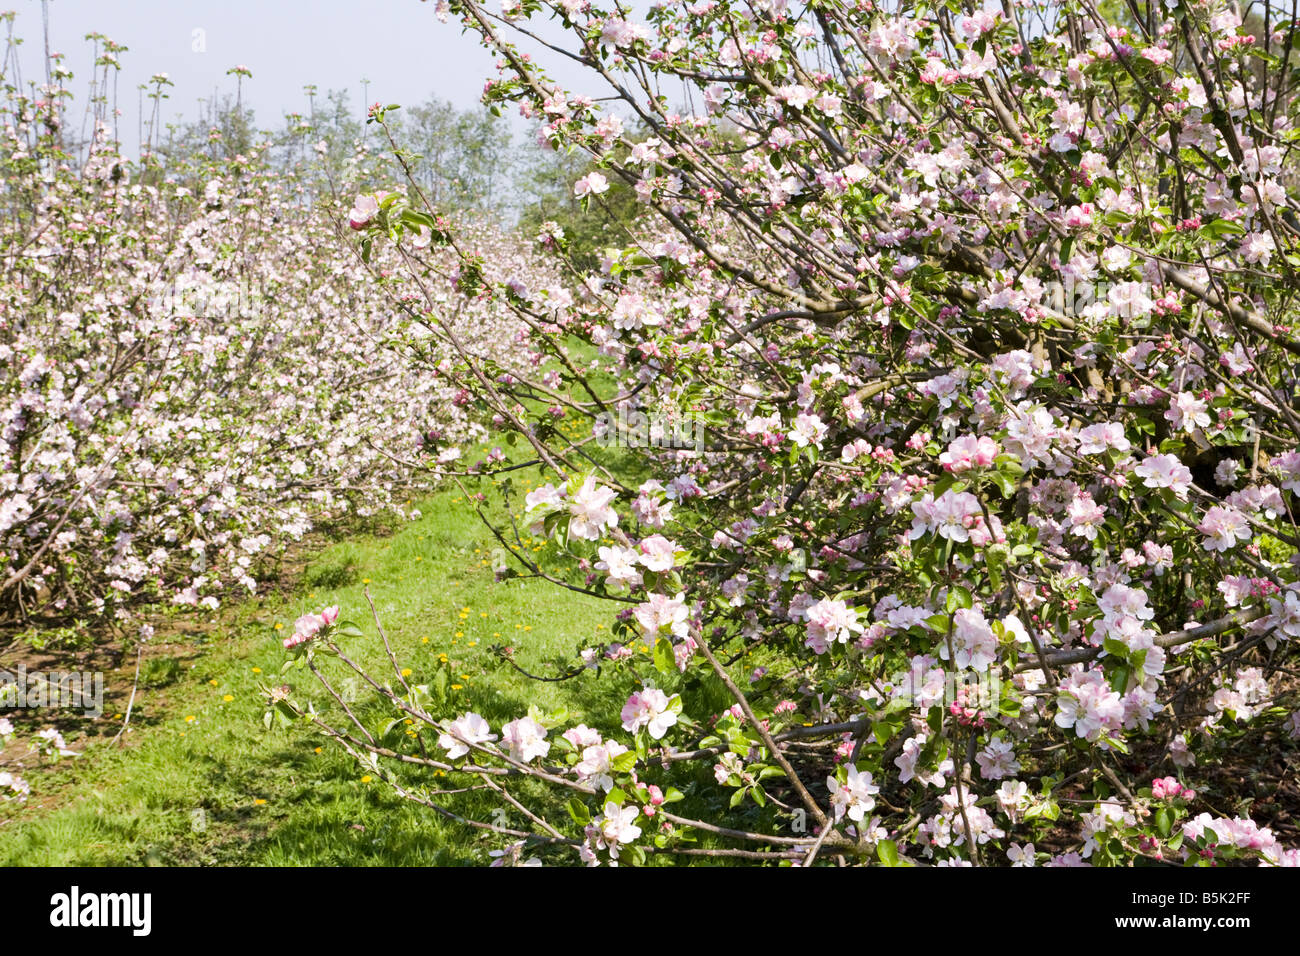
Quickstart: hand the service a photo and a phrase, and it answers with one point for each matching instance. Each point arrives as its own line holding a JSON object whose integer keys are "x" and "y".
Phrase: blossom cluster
{"x": 921, "y": 467}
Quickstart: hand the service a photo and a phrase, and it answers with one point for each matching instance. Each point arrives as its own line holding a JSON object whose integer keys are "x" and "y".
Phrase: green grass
{"x": 202, "y": 781}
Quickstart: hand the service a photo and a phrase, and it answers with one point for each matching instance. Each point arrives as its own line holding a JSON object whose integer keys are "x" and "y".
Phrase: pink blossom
{"x": 650, "y": 708}
{"x": 1224, "y": 528}
{"x": 363, "y": 212}
{"x": 1165, "y": 471}
{"x": 830, "y": 621}
{"x": 593, "y": 184}
{"x": 969, "y": 452}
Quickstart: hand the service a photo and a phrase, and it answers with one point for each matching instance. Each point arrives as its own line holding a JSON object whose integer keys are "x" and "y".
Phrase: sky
{"x": 398, "y": 45}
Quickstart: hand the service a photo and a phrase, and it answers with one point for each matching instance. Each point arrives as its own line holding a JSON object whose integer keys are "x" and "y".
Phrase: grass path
{"x": 202, "y": 781}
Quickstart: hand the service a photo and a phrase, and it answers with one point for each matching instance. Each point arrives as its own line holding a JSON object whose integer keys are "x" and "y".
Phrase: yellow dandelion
{"x": 455, "y": 687}
{"x": 366, "y": 778}
{"x": 213, "y": 682}
{"x": 228, "y": 698}
{"x": 319, "y": 749}
{"x": 190, "y": 719}
{"x": 257, "y": 670}
{"x": 406, "y": 672}
{"x": 258, "y": 802}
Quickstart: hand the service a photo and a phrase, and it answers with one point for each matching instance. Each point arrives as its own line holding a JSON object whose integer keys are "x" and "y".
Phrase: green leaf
{"x": 1115, "y": 647}
{"x": 887, "y": 850}
{"x": 958, "y": 597}
{"x": 1119, "y": 678}
{"x": 1223, "y": 227}
{"x": 1164, "y": 822}
{"x": 624, "y": 761}
{"x": 1005, "y": 481}
{"x": 578, "y": 810}
{"x": 665, "y": 661}
{"x": 993, "y": 560}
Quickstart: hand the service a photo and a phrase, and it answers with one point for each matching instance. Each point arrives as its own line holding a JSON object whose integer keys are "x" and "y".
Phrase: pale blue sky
{"x": 398, "y": 45}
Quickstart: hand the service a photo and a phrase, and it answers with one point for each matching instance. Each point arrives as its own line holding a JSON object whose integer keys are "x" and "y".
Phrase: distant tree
{"x": 461, "y": 158}
{"x": 547, "y": 182}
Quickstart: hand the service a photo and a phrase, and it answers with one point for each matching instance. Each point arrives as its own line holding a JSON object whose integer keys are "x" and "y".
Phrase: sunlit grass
{"x": 202, "y": 780}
